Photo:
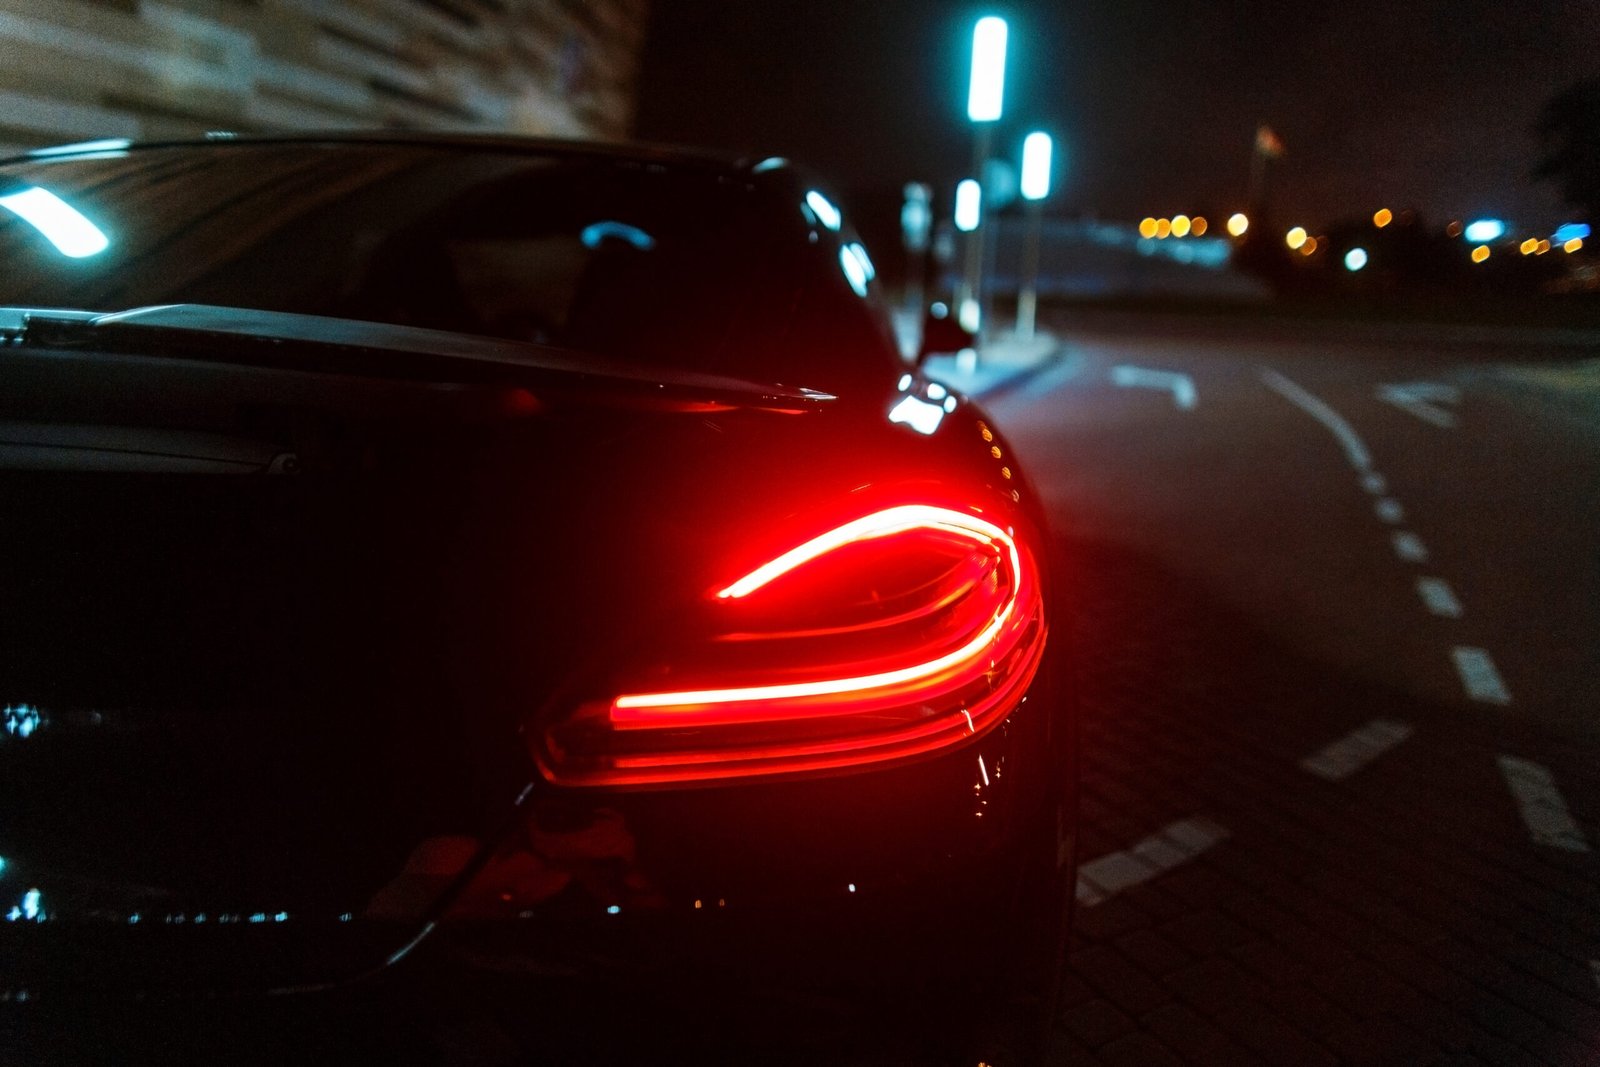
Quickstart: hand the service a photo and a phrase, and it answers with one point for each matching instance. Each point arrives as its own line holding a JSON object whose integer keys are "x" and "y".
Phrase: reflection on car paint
{"x": 20, "y": 720}
{"x": 29, "y": 909}
{"x": 823, "y": 208}
{"x": 61, "y": 224}
{"x": 597, "y": 233}
{"x": 918, "y": 414}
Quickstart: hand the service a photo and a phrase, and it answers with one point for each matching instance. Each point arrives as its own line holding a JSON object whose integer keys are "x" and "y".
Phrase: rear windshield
{"x": 621, "y": 257}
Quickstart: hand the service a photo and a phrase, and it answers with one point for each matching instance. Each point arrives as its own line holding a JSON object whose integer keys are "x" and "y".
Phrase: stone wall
{"x": 74, "y": 70}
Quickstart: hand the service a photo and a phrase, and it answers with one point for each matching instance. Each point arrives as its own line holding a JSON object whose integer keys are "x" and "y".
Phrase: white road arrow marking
{"x": 1543, "y": 809}
{"x": 1422, "y": 399}
{"x": 1172, "y": 845}
{"x": 1439, "y": 597}
{"x": 1181, "y": 385}
{"x": 1352, "y": 752}
{"x": 1479, "y": 676}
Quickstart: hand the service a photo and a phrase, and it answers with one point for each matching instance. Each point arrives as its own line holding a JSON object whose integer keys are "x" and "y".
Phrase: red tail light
{"x": 902, "y": 632}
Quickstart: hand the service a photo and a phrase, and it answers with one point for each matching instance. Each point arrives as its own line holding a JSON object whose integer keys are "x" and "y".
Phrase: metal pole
{"x": 1028, "y": 297}
{"x": 972, "y": 284}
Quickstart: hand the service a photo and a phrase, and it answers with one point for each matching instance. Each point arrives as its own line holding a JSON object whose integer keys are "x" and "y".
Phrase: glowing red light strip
{"x": 880, "y": 524}
{"x": 912, "y": 741}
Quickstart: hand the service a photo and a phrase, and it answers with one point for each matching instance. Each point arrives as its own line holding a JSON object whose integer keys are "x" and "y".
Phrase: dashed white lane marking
{"x": 1409, "y": 547}
{"x": 1479, "y": 677}
{"x": 1374, "y": 483}
{"x": 1101, "y": 879}
{"x": 1354, "y": 751}
{"x": 1439, "y": 597}
{"x": 1355, "y": 449}
{"x": 1421, "y": 399}
{"x": 1543, "y": 810}
{"x": 1181, "y": 385}
{"x": 1389, "y": 510}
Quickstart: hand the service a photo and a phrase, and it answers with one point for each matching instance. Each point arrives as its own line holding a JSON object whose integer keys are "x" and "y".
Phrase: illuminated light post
{"x": 969, "y": 205}
{"x": 1037, "y": 152}
{"x": 916, "y": 226}
{"x": 985, "y": 104}
{"x": 968, "y": 217}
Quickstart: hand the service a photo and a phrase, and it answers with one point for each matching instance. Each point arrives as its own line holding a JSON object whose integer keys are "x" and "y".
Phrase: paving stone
{"x": 1213, "y": 985}
{"x": 1205, "y": 931}
{"x": 1260, "y": 1030}
{"x": 1118, "y": 979}
{"x": 1156, "y": 954}
{"x": 1200, "y": 1042}
{"x": 1094, "y": 1022}
{"x": 1138, "y": 1050}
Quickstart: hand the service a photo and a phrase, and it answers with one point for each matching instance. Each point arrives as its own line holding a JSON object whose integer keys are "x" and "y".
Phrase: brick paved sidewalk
{"x": 1247, "y": 910}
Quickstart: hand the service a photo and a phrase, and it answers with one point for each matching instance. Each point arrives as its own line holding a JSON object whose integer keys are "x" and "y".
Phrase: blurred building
{"x": 73, "y": 70}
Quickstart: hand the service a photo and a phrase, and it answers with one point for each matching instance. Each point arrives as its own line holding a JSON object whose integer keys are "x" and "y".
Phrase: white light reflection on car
{"x": 61, "y": 224}
{"x": 827, "y": 214}
{"x": 917, "y": 413}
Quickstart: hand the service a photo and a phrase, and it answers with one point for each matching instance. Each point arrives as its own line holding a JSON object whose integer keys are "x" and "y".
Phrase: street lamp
{"x": 985, "y": 100}
{"x": 969, "y": 205}
{"x": 1037, "y": 150}
{"x": 986, "y": 91}
{"x": 916, "y": 227}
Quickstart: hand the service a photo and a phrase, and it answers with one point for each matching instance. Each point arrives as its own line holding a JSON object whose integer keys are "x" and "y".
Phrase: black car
{"x": 462, "y": 578}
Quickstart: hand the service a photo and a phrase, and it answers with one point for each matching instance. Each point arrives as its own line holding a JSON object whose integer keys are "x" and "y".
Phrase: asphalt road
{"x": 1335, "y": 601}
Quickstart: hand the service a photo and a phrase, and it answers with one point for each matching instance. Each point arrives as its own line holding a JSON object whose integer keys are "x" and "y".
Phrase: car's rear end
{"x": 353, "y": 668}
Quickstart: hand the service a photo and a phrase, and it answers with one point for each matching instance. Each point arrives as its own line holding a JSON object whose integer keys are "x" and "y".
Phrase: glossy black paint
{"x": 283, "y": 701}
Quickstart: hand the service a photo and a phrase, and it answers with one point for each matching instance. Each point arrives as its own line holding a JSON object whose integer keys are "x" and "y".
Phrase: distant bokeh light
{"x": 969, "y": 201}
{"x": 1180, "y": 225}
{"x": 1199, "y": 226}
{"x": 1529, "y": 247}
{"x": 1147, "y": 228}
{"x": 1163, "y": 229}
{"x": 1382, "y": 217}
{"x": 1309, "y": 246}
{"x": 1483, "y": 230}
{"x": 1480, "y": 253}
{"x": 1355, "y": 259}
{"x": 1036, "y": 153}
{"x": 1295, "y": 237}
{"x": 1237, "y": 224}
{"x": 986, "y": 91}
{"x": 1573, "y": 245}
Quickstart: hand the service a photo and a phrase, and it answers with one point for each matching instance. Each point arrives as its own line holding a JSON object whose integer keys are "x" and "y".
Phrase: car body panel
{"x": 291, "y": 596}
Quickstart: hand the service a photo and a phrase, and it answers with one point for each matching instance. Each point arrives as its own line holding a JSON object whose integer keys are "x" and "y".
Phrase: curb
{"x": 1022, "y": 375}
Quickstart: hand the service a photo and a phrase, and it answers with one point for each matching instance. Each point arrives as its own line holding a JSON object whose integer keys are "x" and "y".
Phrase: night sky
{"x": 1154, "y": 103}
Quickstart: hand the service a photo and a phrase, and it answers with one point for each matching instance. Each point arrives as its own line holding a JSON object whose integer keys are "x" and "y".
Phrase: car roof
{"x": 667, "y": 155}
